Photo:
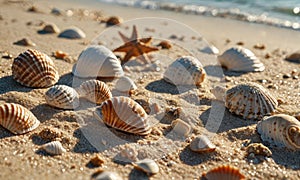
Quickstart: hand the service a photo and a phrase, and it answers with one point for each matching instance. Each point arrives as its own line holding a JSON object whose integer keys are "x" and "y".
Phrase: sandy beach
{"x": 84, "y": 137}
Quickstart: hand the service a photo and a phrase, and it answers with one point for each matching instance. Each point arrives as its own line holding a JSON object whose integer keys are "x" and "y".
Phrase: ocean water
{"x": 282, "y": 13}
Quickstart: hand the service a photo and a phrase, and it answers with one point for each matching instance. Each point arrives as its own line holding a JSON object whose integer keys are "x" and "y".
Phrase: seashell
{"x": 250, "y": 100}
{"x": 202, "y": 144}
{"x": 148, "y": 166}
{"x": 240, "y": 59}
{"x": 62, "y": 96}
{"x": 97, "y": 61}
{"x": 125, "y": 84}
{"x": 124, "y": 114}
{"x": 97, "y": 161}
{"x": 224, "y": 172}
{"x": 105, "y": 175}
{"x": 210, "y": 50}
{"x": 113, "y": 20}
{"x": 294, "y": 57}
{"x": 185, "y": 70}
{"x": 25, "y": 42}
{"x": 95, "y": 91}
{"x": 165, "y": 45}
{"x": 60, "y": 54}
{"x": 17, "y": 119}
{"x": 258, "y": 149}
{"x": 54, "y": 148}
{"x": 72, "y": 33}
{"x": 180, "y": 127}
{"x": 50, "y": 28}
{"x": 280, "y": 130}
{"x": 34, "y": 69}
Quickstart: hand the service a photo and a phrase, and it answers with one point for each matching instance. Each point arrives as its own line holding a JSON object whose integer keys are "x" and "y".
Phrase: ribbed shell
{"x": 34, "y": 69}
{"x": 124, "y": 114}
{"x": 280, "y": 130}
{"x": 17, "y": 119}
{"x": 240, "y": 59}
{"x": 54, "y": 148}
{"x": 185, "y": 70}
{"x": 225, "y": 172}
{"x": 62, "y": 96}
{"x": 95, "y": 91}
{"x": 97, "y": 61}
{"x": 72, "y": 33}
{"x": 250, "y": 100}
{"x": 148, "y": 166}
{"x": 202, "y": 144}
{"x": 125, "y": 84}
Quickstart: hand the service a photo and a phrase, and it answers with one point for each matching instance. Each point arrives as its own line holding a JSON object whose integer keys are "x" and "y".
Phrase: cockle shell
{"x": 240, "y": 59}
{"x": 72, "y": 33}
{"x": 124, "y": 114}
{"x": 95, "y": 91}
{"x": 250, "y": 100}
{"x": 224, "y": 172}
{"x": 125, "y": 84}
{"x": 34, "y": 69}
{"x": 62, "y": 96}
{"x": 202, "y": 144}
{"x": 280, "y": 130}
{"x": 148, "y": 166}
{"x": 17, "y": 119}
{"x": 54, "y": 148}
{"x": 185, "y": 70}
{"x": 97, "y": 61}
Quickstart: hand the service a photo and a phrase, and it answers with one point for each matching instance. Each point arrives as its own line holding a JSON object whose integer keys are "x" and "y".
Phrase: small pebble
{"x": 97, "y": 160}
{"x": 25, "y": 42}
{"x": 240, "y": 43}
{"x": 285, "y": 76}
{"x": 259, "y": 46}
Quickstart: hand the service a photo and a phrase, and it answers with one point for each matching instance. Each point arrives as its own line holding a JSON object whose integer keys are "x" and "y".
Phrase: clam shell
{"x": 224, "y": 172}
{"x": 34, "y": 69}
{"x": 124, "y": 114}
{"x": 185, "y": 70}
{"x": 202, "y": 144}
{"x": 125, "y": 84}
{"x": 62, "y": 96}
{"x": 180, "y": 127}
{"x": 280, "y": 130}
{"x": 54, "y": 148}
{"x": 148, "y": 166}
{"x": 17, "y": 119}
{"x": 106, "y": 175}
{"x": 250, "y": 100}
{"x": 97, "y": 61}
{"x": 240, "y": 59}
{"x": 72, "y": 33}
{"x": 95, "y": 91}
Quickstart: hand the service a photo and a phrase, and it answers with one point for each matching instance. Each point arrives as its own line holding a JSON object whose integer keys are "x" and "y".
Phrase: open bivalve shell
{"x": 202, "y": 144}
{"x": 54, "y": 148}
{"x": 97, "y": 61}
{"x": 224, "y": 172}
{"x": 148, "y": 166}
{"x": 34, "y": 69}
{"x": 17, "y": 119}
{"x": 280, "y": 130}
{"x": 124, "y": 114}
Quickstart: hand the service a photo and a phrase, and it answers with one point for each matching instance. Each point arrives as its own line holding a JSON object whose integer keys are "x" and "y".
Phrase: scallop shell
{"x": 224, "y": 172}
{"x": 95, "y": 91}
{"x": 148, "y": 166}
{"x": 72, "y": 33}
{"x": 250, "y": 100}
{"x": 202, "y": 144}
{"x": 97, "y": 61}
{"x": 124, "y": 114}
{"x": 125, "y": 84}
{"x": 34, "y": 69}
{"x": 185, "y": 70}
{"x": 62, "y": 96}
{"x": 17, "y": 119}
{"x": 280, "y": 130}
{"x": 54, "y": 148}
{"x": 240, "y": 59}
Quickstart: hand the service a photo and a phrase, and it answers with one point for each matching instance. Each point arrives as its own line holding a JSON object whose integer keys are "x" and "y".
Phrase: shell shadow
{"x": 8, "y": 84}
{"x": 287, "y": 158}
{"x": 296, "y": 61}
{"x": 214, "y": 70}
{"x": 66, "y": 79}
{"x": 161, "y": 86}
{"x": 192, "y": 158}
{"x": 136, "y": 174}
{"x": 44, "y": 112}
{"x": 5, "y": 133}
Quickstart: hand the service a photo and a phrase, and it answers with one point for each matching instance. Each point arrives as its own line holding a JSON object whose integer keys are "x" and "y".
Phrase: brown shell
{"x": 202, "y": 144}
{"x": 224, "y": 172}
{"x": 124, "y": 114}
{"x": 17, "y": 119}
{"x": 34, "y": 69}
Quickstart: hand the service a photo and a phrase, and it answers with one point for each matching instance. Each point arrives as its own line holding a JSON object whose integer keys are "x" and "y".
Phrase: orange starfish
{"x": 135, "y": 47}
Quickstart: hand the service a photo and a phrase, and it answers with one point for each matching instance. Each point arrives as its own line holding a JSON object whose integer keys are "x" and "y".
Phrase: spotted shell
{"x": 240, "y": 59}
{"x": 124, "y": 114}
{"x": 202, "y": 144}
{"x": 250, "y": 100}
{"x": 148, "y": 166}
{"x": 72, "y": 33}
{"x": 62, "y": 96}
{"x": 185, "y": 70}
{"x": 224, "y": 172}
{"x": 95, "y": 91}
{"x": 280, "y": 130}
{"x": 54, "y": 148}
{"x": 34, "y": 69}
{"x": 17, "y": 119}
{"x": 125, "y": 84}
{"x": 97, "y": 61}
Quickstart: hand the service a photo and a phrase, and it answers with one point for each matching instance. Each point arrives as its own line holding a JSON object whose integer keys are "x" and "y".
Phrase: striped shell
{"x": 54, "y": 148}
{"x": 94, "y": 91}
{"x": 17, "y": 119}
{"x": 185, "y": 70}
{"x": 124, "y": 114}
{"x": 62, "y": 96}
{"x": 280, "y": 130}
{"x": 240, "y": 59}
{"x": 34, "y": 69}
{"x": 125, "y": 84}
{"x": 72, "y": 33}
{"x": 224, "y": 172}
{"x": 97, "y": 61}
{"x": 250, "y": 100}
{"x": 148, "y": 166}
{"x": 202, "y": 144}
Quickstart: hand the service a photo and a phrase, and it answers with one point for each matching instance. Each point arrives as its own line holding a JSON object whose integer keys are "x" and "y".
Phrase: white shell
{"x": 280, "y": 130}
{"x": 202, "y": 144}
{"x": 148, "y": 166}
{"x": 185, "y": 70}
{"x": 62, "y": 96}
{"x": 125, "y": 84}
{"x": 106, "y": 175}
{"x": 180, "y": 127}
{"x": 72, "y": 33}
{"x": 97, "y": 61}
{"x": 240, "y": 59}
{"x": 54, "y": 148}
{"x": 210, "y": 50}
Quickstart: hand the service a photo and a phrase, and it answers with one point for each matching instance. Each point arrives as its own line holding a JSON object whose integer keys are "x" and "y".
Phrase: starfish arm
{"x": 127, "y": 57}
{"x": 145, "y": 49}
{"x": 146, "y": 40}
{"x": 134, "y": 35}
{"x": 124, "y": 48}
{"x": 124, "y": 38}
